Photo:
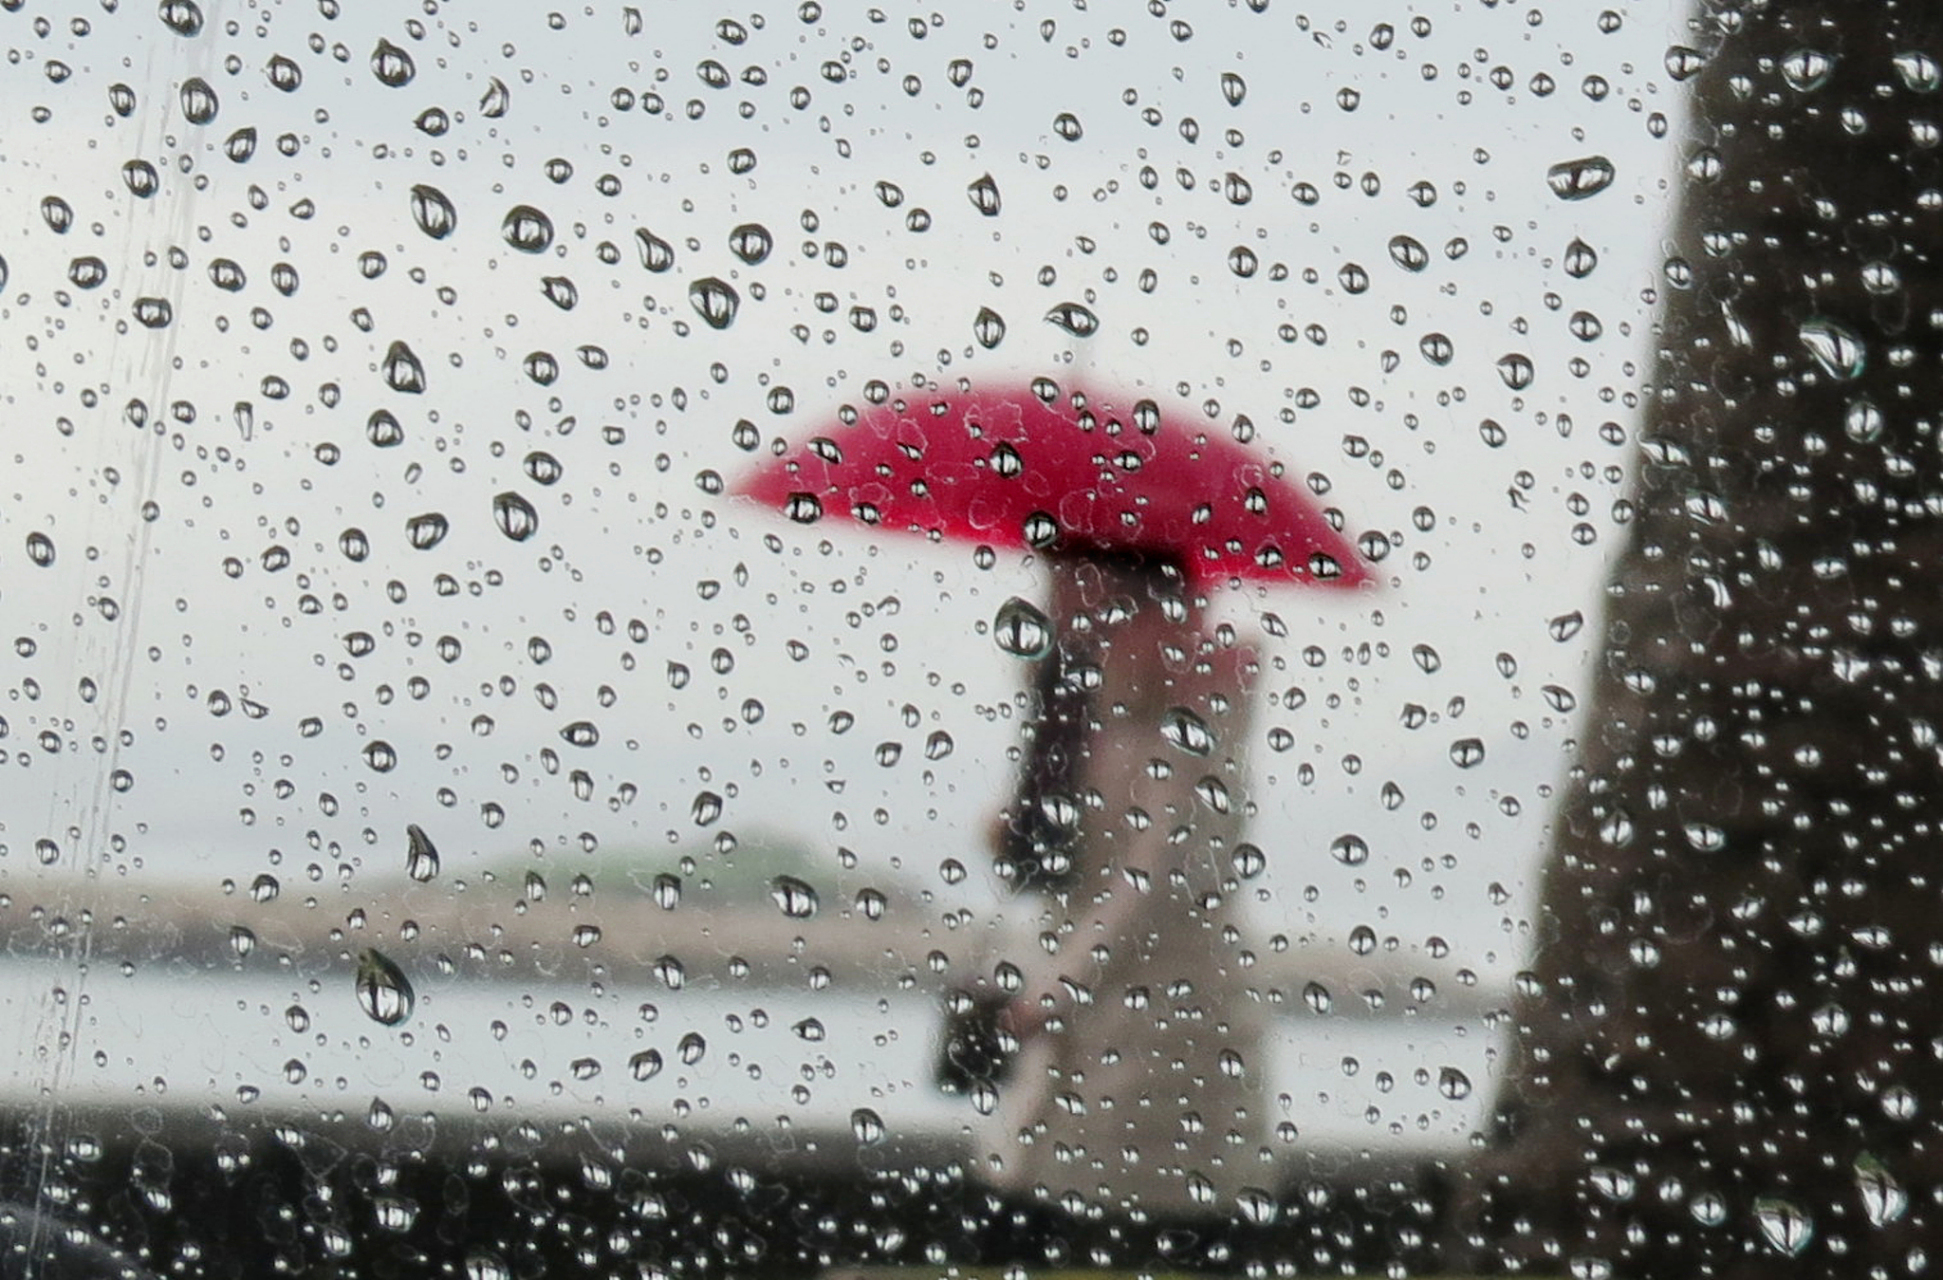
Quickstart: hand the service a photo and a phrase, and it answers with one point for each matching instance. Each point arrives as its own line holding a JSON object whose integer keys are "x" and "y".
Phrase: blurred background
{"x": 412, "y": 747}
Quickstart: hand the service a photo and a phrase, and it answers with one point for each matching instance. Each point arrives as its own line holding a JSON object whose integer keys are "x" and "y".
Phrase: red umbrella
{"x": 1083, "y": 474}
{"x": 1131, "y": 503}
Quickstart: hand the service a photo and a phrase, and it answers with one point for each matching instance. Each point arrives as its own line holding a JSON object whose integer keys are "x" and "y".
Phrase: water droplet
{"x": 667, "y": 891}
{"x": 645, "y": 1065}
{"x": 432, "y": 212}
{"x": 1022, "y": 630}
{"x": 1187, "y": 731}
{"x": 1806, "y": 70}
{"x": 199, "y": 101}
{"x": 1836, "y": 348}
{"x": 421, "y": 855}
{"x": 793, "y": 897}
{"x": 1559, "y": 698}
{"x": 1067, "y": 126}
{"x": 265, "y": 888}
{"x": 705, "y": 809}
{"x": 751, "y": 242}
{"x": 1426, "y": 658}
{"x": 515, "y": 516}
{"x": 402, "y": 370}
{"x": 810, "y": 1029}
{"x": 392, "y": 65}
{"x": 1581, "y": 178}
{"x": 580, "y": 733}
{"x": 691, "y": 1048}
{"x": 868, "y": 1127}
{"x": 153, "y": 313}
{"x": 1407, "y": 252}
{"x": 241, "y": 145}
{"x": 497, "y": 99}
{"x": 487, "y": 1266}
{"x": 184, "y": 17}
{"x": 1516, "y": 370}
{"x": 1883, "y": 1198}
{"x": 426, "y": 531}
{"x": 984, "y": 195}
{"x": 1233, "y": 88}
{"x": 527, "y": 229}
{"x": 1919, "y": 71}
{"x": 1783, "y": 1225}
{"x": 656, "y": 254}
{"x": 715, "y": 301}
{"x": 285, "y": 75}
{"x": 380, "y": 756}
{"x": 383, "y": 991}
{"x": 938, "y": 745}
{"x": 1683, "y": 63}
{"x": 1467, "y": 753}
{"x": 1453, "y": 1084}
{"x": 1075, "y": 319}
{"x": 988, "y": 328}
{"x": 1350, "y": 849}
{"x": 1566, "y": 625}
{"x": 1862, "y": 421}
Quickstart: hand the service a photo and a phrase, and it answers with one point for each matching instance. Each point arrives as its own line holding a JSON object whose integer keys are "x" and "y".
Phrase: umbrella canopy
{"x": 1077, "y": 473}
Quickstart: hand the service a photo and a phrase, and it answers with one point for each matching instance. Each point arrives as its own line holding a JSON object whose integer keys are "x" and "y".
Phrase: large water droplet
{"x": 1783, "y": 1225}
{"x": 1453, "y": 1084}
{"x": 1883, "y": 1198}
{"x": 527, "y": 229}
{"x": 1022, "y": 630}
{"x": 1683, "y": 63}
{"x": 515, "y": 516}
{"x": 1919, "y": 71}
{"x": 715, "y": 301}
{"x": 497, "y": 99}
{"x": 1075, "y": 319}
{"x": 1408, "y": 252}
{"x": 988, "y": 328}
{"x": 402, "y": 370}
{"x": 793, "y": 897}
{"x": 751, "y": 242}
{"x": 421, "y": 855}
{"x": 1806, "y": 70}
{"x": 1578, "y": 179}
{"x": 868, "y": 1127}
{"x": 383, "y": 991}
{"x": 184, "y": 17}
{"x": 1186, "y": 731}
{"x": 656, "y": 254}
{"x": 1836, "y": 348}
{"x": 432, "y": 212}
{"x": 984, "y": 195}
{"x": 426, "y": 531}
{"x": 1350, "y": 849}
{"x": 392, "y": 65}
{"x": 199, "y": 101}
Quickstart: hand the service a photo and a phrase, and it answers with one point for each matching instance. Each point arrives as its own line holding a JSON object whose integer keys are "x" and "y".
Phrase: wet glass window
{"x": 1085, "y": 639}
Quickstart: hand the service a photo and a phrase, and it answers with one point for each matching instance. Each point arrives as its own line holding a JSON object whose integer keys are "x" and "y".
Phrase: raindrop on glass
{"x": 383, "y": 991}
